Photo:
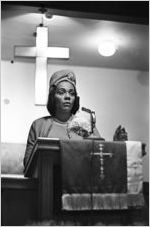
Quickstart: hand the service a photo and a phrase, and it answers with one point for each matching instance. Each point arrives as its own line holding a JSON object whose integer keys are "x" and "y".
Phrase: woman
{"x": 64, "y": 122}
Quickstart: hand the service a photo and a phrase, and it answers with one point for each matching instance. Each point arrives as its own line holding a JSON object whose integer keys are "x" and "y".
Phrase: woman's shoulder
{"x": 42, "y": 120}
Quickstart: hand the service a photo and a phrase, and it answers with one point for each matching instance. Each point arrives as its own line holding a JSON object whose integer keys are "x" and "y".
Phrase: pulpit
{"x": 86, "y": 175}
{"x": 45, "y": 159}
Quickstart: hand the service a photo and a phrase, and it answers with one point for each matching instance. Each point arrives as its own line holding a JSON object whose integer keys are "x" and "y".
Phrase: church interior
{"x": 113, "y": 82}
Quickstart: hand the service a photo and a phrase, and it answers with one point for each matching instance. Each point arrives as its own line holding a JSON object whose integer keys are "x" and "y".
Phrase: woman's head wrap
{"x": 62, "y": 75}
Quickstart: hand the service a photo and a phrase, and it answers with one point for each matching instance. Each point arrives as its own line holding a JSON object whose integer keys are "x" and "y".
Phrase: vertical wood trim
{"x": 46, "y": 192}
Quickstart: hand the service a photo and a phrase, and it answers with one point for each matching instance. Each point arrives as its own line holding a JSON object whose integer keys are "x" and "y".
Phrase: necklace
{"x": 65, "y": 123}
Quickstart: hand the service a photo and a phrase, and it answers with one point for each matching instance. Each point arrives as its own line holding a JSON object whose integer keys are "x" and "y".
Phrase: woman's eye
{"x": 61, "y": 92}
{"x": 72, "y": 93}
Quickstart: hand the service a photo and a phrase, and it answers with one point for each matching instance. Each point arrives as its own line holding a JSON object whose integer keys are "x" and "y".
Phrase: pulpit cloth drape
{"x": 106, "y": 181}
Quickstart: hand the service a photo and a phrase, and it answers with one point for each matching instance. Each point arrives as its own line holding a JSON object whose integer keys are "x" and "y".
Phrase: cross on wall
{"x": 41, "y": 52}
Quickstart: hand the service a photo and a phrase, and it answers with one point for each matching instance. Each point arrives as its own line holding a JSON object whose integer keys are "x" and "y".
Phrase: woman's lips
{"x": 67, "y": 103}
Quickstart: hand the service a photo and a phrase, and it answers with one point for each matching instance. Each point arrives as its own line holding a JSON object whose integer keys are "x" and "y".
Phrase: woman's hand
{"x": 120, "y": 134}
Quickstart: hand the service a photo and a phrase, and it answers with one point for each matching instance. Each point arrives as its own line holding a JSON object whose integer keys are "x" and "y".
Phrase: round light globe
{"x": 107, "y": 48}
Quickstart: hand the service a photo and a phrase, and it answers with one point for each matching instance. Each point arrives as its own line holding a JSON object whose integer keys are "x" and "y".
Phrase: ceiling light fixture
{"x": 107, "y": 48}
{"x": 48, "y": 15}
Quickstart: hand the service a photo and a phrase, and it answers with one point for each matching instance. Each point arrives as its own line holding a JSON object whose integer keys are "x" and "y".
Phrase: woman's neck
{"x": 63, "y": 117}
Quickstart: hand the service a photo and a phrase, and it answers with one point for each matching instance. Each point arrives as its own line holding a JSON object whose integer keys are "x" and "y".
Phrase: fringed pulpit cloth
{"x": 98, "y": 175}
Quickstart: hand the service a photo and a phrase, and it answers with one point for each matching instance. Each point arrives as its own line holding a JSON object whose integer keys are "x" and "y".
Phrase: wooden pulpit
{"x": 45, "y": 165}
{"x": 44, "y": 159}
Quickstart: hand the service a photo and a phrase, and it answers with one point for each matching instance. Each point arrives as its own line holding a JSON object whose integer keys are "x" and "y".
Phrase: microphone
{"x": 93, "y": 117}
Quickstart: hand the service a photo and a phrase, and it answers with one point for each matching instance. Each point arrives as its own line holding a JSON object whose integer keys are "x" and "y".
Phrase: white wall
{"x": 117, "y": 97}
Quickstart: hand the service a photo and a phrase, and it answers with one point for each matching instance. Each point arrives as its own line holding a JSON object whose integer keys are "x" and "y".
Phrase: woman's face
{"x": 64, "y": 97}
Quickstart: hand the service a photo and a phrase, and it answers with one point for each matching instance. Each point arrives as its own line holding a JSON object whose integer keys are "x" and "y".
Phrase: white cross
{"x": 101, "y": 154}
{"x": 41, "y": 52}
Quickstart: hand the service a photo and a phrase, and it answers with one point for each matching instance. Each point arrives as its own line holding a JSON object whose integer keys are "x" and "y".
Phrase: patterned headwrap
{"x": 63, "y": 75}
